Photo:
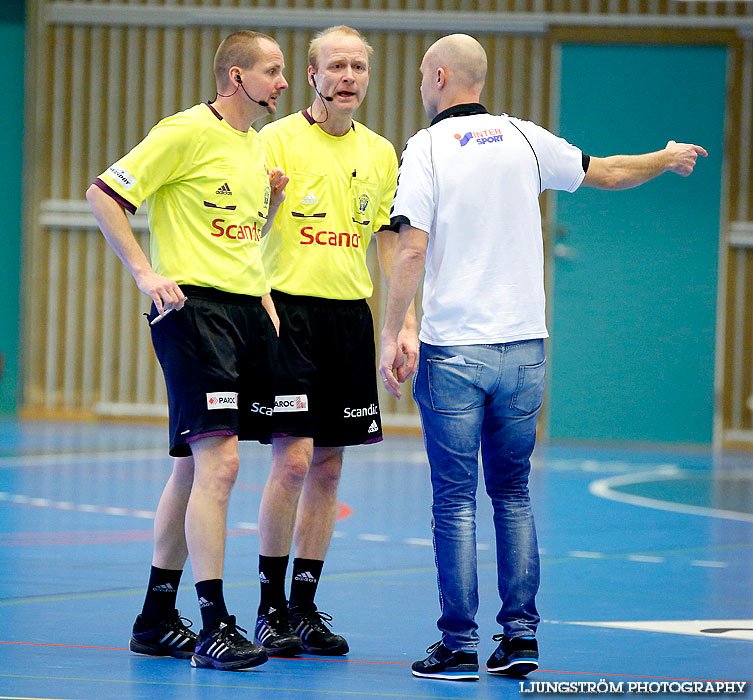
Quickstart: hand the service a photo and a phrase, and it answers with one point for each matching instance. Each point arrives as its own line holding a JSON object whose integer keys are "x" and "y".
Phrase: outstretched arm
{"x": 407, "y": 267}
{"x": 624, "y": 172}
{"x": 117, "y": 231}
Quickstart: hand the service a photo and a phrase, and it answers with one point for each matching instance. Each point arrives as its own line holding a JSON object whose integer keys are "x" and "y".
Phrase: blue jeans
{"x": 486, "y": 396}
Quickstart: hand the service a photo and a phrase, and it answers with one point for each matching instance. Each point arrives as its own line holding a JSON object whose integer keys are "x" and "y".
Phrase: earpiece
{"x": 238, "y": 78}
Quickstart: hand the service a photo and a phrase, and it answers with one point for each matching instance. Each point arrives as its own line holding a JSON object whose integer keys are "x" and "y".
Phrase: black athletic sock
{"x": 211, "y": 602}
{"x": 272, "y": 572}
{"x": 161, "y": 593}
{"x": 306, "y": 574}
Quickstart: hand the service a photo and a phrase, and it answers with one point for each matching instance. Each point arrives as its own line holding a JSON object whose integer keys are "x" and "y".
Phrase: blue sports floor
{"x": 647, "y": 570}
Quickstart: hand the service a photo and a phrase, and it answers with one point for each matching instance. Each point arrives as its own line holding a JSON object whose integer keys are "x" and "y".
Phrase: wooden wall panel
{"x": 104, "y": 84}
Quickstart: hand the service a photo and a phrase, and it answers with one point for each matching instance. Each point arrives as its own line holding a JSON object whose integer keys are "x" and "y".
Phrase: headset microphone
{"x": 313, "y": 82}
{"x": 261, "y": 103}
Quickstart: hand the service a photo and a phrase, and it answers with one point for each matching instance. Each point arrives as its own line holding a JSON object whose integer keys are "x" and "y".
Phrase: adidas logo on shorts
{"x": 305, "y": 576}
{"x": 224, "y": 189}
{"x": 373, "y": 428}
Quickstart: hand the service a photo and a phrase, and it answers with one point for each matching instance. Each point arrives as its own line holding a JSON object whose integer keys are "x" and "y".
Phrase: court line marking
{"x": 605, "y": 488}
{"x": 78, "y": 507}
{"x": 15, "y": 697}
{"x": 355, "y": 575}
{"x": 361, "y": 661}
{"x": 241, "y": 687}
{"x": 51, "y": 458}
{"x": 346, "y": 692}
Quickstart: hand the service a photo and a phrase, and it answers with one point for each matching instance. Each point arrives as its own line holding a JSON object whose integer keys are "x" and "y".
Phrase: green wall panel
{"x": 634, "y": 307}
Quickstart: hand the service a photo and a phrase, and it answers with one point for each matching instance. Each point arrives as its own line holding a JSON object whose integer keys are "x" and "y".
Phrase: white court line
{"x": 368, "y": 537}
{"x": 709, "y": 564}
{"x": 605, "y": 488}
{"x": 247, "y": 526}
{"x": 67, "y": 505}
{"x": 586, "y": 555}
{"x": 646, "y": 558}
{"x": 69, "y": 457}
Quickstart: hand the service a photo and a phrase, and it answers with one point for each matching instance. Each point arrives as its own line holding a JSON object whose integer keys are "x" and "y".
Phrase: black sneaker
{"x": 226, "y": 648}
{"x": 274, "y": 633}
{"x": 309, "y": 625}
{"x": 515, "y": 656}
{"x": 170, "y": 637}
{"x": 447, "y": 665}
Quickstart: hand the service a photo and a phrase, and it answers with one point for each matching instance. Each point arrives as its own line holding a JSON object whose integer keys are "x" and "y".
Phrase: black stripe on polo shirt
{"x": 463, "y": 110}
{"x": 397, "y": 221}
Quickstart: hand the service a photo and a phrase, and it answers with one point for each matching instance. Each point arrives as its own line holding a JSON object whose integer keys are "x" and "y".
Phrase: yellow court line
{"x": 346, "y": 576}
{"x": 13, "y": 697}
{"x": 340, "y": 692}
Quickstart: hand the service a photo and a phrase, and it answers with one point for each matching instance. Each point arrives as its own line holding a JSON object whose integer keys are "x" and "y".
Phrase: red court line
{"x": 63, "y": 646}
{"x": 395, "y": 663}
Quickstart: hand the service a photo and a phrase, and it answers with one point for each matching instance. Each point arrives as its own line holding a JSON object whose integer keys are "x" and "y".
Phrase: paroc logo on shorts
{"x": 292, "y": 403}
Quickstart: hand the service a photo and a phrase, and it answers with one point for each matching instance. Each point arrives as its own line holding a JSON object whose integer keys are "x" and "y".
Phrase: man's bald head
{"x": 462, "y": 57}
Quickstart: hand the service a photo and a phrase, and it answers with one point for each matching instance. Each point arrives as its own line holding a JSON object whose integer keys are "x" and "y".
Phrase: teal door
{"x": 11, "y": 127}
{"x": 633, "y": 304}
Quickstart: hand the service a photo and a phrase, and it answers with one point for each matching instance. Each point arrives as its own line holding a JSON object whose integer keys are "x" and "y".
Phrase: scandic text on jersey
{"x": 343, "y": 239}
{"x": 236, "y": 232}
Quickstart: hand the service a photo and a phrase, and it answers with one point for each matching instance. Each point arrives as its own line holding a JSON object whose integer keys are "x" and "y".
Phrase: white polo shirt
{"x": 472, "y": 181}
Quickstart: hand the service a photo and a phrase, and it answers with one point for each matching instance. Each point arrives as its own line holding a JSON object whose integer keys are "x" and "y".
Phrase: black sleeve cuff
{"x": 397, "y": 221}
{"x": 586, "y": 161}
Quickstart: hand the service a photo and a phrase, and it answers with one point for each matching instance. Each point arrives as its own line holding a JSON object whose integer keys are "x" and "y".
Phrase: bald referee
{"x": 210, "y": 200}
{"x": 467, "y": 206}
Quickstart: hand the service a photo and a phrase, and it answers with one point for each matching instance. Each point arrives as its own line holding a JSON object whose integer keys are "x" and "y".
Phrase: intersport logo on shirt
{"x": 480, "y": 137}
{"x": 222, "y": 399}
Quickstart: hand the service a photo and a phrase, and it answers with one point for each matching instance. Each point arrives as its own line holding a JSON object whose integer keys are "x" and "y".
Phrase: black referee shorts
{"x": 218, "y": 355}
{"x": 326, "y": 383}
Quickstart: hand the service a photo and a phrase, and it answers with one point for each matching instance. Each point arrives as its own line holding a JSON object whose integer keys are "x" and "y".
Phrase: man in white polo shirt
{"x": 467, "y": 207}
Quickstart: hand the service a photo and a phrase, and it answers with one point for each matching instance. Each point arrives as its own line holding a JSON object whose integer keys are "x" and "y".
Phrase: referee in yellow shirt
{"x": 209, "y": 200}
{"x": 342, "y": 180}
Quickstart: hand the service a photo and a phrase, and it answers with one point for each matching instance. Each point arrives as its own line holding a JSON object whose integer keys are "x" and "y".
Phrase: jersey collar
{"x": 307, "y": 116}
{"x": 214, "y": 111}
{"x": 463, "y": 110}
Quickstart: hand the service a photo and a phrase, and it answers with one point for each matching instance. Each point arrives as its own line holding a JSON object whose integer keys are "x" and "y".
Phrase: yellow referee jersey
{"x": 207, "y": 196}
{"x": 340, "y": 192}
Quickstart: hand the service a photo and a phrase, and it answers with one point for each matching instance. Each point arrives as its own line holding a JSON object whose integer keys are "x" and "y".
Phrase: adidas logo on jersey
{"x": 204, "y": 603}
{"x": 310, "y": 199}
{"x": 373, "y": 428}
{"x": 224, "y": 189}
{"x": 305, "y": 576}
{"x": 164, "y": 588}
